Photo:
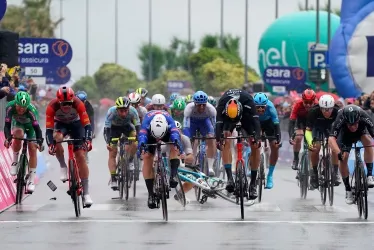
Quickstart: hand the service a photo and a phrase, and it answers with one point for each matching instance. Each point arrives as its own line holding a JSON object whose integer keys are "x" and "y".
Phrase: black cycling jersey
{"x": 315, "y": 118}
{"x": 365, "y": 122}
{"x": 249, "y": 120}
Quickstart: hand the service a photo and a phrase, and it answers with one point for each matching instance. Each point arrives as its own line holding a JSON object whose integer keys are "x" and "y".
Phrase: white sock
{"x": 32, "y": 174}
{"x": 210, "y": 163}
{"x": 15, "y": 156}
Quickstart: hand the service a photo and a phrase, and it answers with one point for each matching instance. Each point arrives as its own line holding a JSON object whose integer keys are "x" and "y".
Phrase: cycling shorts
{"x": 73, "y": 129}
{"x": 27, "y": 128}
{"x": 205, "y": 127}
{"x": 115, "y": 132}
{"x": 269, "y": 128}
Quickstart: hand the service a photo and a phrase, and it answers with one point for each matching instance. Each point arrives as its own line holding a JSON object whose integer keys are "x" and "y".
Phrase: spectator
{"x": 4, "y": 81}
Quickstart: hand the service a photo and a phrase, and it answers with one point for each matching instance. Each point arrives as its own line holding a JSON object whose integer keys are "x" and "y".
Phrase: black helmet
{"x": 351, "y": 114}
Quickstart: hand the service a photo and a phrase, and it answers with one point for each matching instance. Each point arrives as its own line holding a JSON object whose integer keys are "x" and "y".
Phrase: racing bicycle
{"x": 302, "y": 175}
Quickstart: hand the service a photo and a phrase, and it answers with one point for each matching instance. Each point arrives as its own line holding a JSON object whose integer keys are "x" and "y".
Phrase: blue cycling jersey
{"x": 270, "y": 113}
{"x": 147, "y": 101}
{"x": 145, "y": 128}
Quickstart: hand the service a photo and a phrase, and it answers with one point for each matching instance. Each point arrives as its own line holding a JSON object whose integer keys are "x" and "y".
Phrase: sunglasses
{"x": 65, "y": 104}
{"x": 326, "y": 110}
{"x": 308, "y": 102}
{"x": 123, "y": 110}
{"x": 200, "y": 105}
{"x": 260, "y": 108}
{"x": 352, "y": 124}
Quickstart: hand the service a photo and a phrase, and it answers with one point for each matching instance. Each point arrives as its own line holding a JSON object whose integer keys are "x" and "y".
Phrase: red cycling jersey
{"x": 299, "y": 111}
{"x": 76, "y": 113}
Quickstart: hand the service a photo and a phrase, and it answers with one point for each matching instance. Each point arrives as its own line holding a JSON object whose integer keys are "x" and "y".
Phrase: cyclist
{"x": 89, "y": 109}
{"x": 269, "y": 122}
{"x": 235, "y": 106}
{"x": 120, "y": 119}
{"x": 189, "y": 99}
{"x": 199, "y": 116}
{"x": 212, "y": 101}
{"x": 298, "y": 117}
{"x": 319, "y": 121}
{"x": 351, "y": 125}
{"x": 177, "y": 110}
{"x": 66, "y": 114}
{"x": 135, "y": 102}
{"x": 158, "y": 103}
{"x": 144, "y": 99}
{"x": 23, "y": 117}
{"x": 172, "y": 98}
{"x": 158, "y": 125}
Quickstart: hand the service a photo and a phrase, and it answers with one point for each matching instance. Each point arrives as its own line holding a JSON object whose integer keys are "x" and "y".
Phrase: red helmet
{"x": 65, "y": 94}
{"x": 309, "y": 95}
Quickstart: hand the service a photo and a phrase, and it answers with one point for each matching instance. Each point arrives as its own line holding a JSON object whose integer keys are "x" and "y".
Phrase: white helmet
{"x": 178, "y": 125}
{"x": 158, "y": 99}
{"x": 326, "y": 101}
{"x": 159, "y": 126}
{"x": 134, "y": 98}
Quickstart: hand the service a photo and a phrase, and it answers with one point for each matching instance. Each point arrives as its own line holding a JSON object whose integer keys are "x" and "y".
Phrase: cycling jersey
{"x": 249, "y": 119}
{"x": 193, "y": 120}
{"x": 270, "y": 122}
{"x": 142, "y": 111}
{"x": 147, "y": 101}
{"x": 27, "y": 121}
{"x": 177, "y": 117}
{"x": 76, "y": 113}
{"x": 298, "y": 113}
{"x": 269, "y": 114}
{"x": 186, "y": 143}
{"x": 91, "y": 114}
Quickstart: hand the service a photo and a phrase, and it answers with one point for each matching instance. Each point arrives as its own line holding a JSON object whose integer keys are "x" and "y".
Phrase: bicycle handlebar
{"x": 70, "y": 140}
{"x": 124, "y": 138}
{"x": 238, "y": 137}
{"x": 26, "y": 139}
{"x": 160, "y": 143}
{"x": 202, "y": 138}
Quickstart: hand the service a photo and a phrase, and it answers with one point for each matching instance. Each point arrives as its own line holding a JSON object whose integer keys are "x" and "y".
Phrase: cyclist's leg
{"x": 368, "y": 156}
{"x": 115, "y": 132}
{"x": 207, "y": 130}
{"x": 228, "y": 128}
{"x": 32, "y": 146}
{"x": 234, "y": 153}
{"x": 335, "y": 163}
{"x": 75, "y": 130}
{"x": 300, "y": 125}
{"x": 174, "y": 161}
{"x": 314, "y": 158}
{"x": 59, "y": 133}
{"x": 18, "y": 131}
{"x": 269, "y": 128}
{"x": 148, "y": 173}
{"x": 131, "y": 132}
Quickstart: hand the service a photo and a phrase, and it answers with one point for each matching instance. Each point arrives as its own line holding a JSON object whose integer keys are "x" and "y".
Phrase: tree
{"x": 176, "y": 56}
{"x": 113, "y": 80}
{"x": 218, "y": 76}
{"x": 33, "y": 19}
{"x": 88, "y": 85}
{"x": 158, "y": 60}
{"x": 159, "y": 86}
{"x": 335, "y": 11}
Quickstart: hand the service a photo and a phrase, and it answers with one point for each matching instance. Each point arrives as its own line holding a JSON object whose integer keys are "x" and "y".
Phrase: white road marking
{"x": 193, "y": 221}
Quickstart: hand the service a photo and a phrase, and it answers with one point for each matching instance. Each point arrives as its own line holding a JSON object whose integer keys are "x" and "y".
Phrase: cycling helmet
{"x": 22, "y": 88}
{"x": 81, "y": 95}
{"x": 309, "y": 95}
{"x": 122, "y": 102}
{"x": 326, "y": 101}
{"x": 179, "y": 104}
{"x": 261, "y": 99}
{"x": 158, "y": 126}
{"x": 158, "y": 99}
{"x": 65, "y": 94}
{"x": 173, "y": 97}
{"x": 141, "y": 91}
{"x": 178, "y": 125}
{"x": 22, "y": 99}
{"x": 134, "y": 98}
{"x": 212, "y": 100}
{"x": 188, "y": 98}
{"x": 200, "y": 97}
{"x": 351, "y": 113}
{"x": 234, "y": 109}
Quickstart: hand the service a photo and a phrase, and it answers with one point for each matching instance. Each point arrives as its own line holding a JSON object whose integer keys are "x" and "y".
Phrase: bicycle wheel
{"x": 330, "y": 179}
{"x": 164, "y": 190}
{"x": 260, "y": 178}
{"x": 304, "y": 175}
{"x": 74, "y": 188}
{"x": 364, "y": 193}
{"x": 241, "y": 187}
{"x": 322, "y": 180}
{"x": 21, "y": 179}
{"x": 180, "y": 192}
{"x": 358, "y": 193}
{"x": 135, "y": 175}
{"x": 126, "y": 177}
{"x": 120, "y": 178}
{"x": 197, "y": 189}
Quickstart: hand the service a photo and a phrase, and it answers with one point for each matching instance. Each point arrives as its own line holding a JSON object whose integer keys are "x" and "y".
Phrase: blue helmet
{"x": 81, "y": 95}
{"x": 200, "y": 97}
{"x": 173, "y": 96}
{"x": 261, "y": 99}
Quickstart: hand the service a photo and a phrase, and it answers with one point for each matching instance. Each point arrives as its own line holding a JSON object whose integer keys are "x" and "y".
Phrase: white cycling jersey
{"x": 186, "y": 143}
{"x": 191, "y": 114}
{"x": 142, "y": 111}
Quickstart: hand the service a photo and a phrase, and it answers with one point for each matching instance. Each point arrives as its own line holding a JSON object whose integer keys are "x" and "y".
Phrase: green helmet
{"x": 212, "y": 100}
{"x": 22, "y": 99}
{"x": 179, "y": 104}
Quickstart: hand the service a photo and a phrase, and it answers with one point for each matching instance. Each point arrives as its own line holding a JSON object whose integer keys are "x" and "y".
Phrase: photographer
{"x": 5, "y": 89}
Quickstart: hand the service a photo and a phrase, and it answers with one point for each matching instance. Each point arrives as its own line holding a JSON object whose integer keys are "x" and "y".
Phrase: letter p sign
{"x": 319, "y": 59}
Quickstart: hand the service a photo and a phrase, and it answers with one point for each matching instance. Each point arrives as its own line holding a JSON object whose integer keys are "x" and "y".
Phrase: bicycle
{"x": 359, "y": 184}
{"x": 23, "y": 171}
{"x": 124, "y": 174}
{"x": 303, "y": 170}
{"x": 75, "y": 186}
{"x": 161, "y": 186}
{"x": 241, "y": 182}
{"x": 326, "y": 175}
{"x": 264, "y": 163}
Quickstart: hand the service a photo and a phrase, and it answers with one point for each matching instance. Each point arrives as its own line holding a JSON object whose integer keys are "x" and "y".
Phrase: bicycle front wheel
{"x": 261, "y": 178}
{"x": 180, "y": 192}
{"x": 126, "y": 178}
{"x": 74, "y": 188}
{"x": 330, "y": 179}
{"x": 364, "y": 194}
{"x": 304, "y": 175}
{"x": 136, "y": 174}
{"x": 322, "y": 180}
{"x": 164, "y": 190}
{"x": 241, "y": 192}
{"x": 21, "y": 184}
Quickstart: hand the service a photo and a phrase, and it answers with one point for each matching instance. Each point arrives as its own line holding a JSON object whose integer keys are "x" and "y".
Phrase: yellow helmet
{"x": 122, "y": 102}
{"x": 141, "y": 91}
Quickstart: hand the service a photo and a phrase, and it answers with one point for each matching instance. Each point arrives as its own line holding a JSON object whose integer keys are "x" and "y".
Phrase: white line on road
{"x": 195, "y": 221}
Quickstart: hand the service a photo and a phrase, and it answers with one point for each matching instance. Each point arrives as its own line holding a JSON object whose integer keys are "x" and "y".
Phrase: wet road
{"x": 281, "y": 221}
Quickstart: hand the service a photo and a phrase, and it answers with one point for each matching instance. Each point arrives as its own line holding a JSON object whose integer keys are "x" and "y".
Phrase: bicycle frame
{"x": 202, "y": 151}
{"x": 76, "y": 170}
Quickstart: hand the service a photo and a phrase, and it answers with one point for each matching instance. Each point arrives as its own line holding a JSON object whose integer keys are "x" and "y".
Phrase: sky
{"x": 170, "y": 18}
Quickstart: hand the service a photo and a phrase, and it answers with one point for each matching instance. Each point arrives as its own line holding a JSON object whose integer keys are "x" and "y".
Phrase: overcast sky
{"x": 169, "y": 19}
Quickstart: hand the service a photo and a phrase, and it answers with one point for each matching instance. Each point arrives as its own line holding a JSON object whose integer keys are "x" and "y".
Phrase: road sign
{"x": 290, "y": 77}
{"x": 319, "y": 59}
{"x": 57, "y": 76}
{"x": 177, "y": 85}
{"x": 44, "y": 52}
{"x": 3, "y": 6}
{"x": 279, "y": 89}
{"x": 318, "y": 75}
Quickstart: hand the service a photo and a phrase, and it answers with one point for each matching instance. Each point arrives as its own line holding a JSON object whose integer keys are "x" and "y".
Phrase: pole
{"x": 221, "y": 35}
{"x": 116, "y": 32}
{"x": 189, "y": 34}
{"x": 328, "y": 32}
{"x": 150, "y": 63}
{"x": 61, "y": 16}
{"x": 246, "y": 44}
{"x": 317, "y": 21}
{"x": 87, "y": 37}
{"x": 306, "y": 5}
{"x": 276, "y": 9}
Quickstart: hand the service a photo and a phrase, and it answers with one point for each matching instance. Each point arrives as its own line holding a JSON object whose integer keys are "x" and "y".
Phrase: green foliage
{"x": 88, "y": 85}
{"x": 335, "y": 11}
{"x": 33, "y": 19}
{"x": 158, "y": 60}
